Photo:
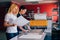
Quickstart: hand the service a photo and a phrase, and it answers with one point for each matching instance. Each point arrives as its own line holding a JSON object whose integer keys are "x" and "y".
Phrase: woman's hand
{"x": 12, "y": 24}
{"x": 28, "y": 27}
{"x": 6, "y": 24}
{"x": 25, "y": 31}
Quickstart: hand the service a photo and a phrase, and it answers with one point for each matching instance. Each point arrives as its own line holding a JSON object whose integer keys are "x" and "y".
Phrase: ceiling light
{"x": 33, "y": 0}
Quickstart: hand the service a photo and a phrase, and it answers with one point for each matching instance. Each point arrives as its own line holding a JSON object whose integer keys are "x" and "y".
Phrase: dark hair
{"x": 22, "y": 7}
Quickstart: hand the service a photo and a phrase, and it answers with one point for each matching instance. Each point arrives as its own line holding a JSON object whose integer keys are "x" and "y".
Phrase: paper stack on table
{"x": 31, "y": 36}
{"x": 21, "y": 21}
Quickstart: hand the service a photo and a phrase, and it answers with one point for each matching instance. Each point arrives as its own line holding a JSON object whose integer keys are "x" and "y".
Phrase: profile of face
{"x": 23, "y": 11}
{"x": 15, "y": 10}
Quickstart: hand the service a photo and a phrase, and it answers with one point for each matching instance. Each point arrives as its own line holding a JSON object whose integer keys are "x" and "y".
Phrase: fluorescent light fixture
{"x": 33, "y": 0}
{"x": 48, "y": 2}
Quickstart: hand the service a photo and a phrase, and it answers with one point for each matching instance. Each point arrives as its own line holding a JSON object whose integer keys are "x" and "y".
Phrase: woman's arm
{"x": 6, "y": 24}
{"x": 23, "y": 29}
{"x": 28, "y": 27}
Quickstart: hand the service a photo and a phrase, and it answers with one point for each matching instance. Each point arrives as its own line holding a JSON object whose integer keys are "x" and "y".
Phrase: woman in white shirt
{"x": 8, "y": 22}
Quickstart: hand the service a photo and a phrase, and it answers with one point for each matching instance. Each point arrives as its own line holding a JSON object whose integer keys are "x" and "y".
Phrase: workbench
{"x": 33, "y": 35}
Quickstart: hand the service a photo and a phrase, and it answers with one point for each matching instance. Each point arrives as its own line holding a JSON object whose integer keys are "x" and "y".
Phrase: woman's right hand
{"x": 25, "y": 30}
{"x": 6, "y": 24}
{"x": 13, "y": 24}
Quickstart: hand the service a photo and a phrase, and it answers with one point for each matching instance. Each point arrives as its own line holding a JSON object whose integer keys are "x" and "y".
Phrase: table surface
{"x": 34, "y": 33}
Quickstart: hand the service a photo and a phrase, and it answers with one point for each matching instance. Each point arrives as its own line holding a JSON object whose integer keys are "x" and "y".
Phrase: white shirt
{"x": 10, "y": 18}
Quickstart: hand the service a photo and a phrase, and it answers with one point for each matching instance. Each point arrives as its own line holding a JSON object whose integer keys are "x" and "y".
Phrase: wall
{"x": 3, "y": 10}
{"x": 44, "y": 8}
{"x": 47, "y": 7}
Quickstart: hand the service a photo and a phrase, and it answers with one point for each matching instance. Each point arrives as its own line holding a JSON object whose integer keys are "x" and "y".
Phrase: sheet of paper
{"x": 21, "y": 21}
{"x": 31, "y": 36}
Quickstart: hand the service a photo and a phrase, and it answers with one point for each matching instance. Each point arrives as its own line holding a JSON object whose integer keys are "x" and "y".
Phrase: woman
{"x": 26, "y": 27}
{"x": 8, "y": 22}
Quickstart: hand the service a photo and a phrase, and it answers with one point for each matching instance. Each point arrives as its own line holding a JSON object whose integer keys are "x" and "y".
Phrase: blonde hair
{"x": 12, "y": 7}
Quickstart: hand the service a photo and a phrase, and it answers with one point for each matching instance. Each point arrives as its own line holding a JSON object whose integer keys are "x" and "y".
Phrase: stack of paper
{"x": 31, "y": 36}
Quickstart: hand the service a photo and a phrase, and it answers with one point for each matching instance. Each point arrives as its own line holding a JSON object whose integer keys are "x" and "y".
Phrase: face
{"x": 23, "y": 11}
{"x": 15, "y": 10}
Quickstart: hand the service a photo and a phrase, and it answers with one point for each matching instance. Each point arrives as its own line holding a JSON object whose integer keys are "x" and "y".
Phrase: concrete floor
{"x": 48, "y": 36}
{"x": 2, "y": 35}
